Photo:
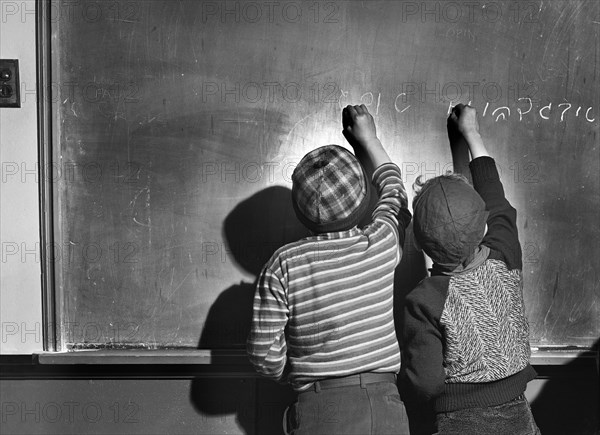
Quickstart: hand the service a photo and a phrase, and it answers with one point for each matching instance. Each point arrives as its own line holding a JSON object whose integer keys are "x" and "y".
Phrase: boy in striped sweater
{"x": 465, "y": 335}
{"x": 323, "y": 310}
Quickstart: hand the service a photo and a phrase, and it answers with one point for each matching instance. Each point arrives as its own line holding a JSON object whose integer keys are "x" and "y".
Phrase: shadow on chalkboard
{"x": 253, "y": 231}
{"x": 568, "y": 402}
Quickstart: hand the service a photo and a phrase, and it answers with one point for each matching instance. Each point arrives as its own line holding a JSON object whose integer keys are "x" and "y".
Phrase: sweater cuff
{"x": 484, "y": 169}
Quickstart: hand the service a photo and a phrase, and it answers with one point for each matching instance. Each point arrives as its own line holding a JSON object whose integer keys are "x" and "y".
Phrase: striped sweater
{"x": 324, "y": 305}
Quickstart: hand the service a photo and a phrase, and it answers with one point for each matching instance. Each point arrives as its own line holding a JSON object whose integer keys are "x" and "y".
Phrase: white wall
{"x": 20, "y": 281}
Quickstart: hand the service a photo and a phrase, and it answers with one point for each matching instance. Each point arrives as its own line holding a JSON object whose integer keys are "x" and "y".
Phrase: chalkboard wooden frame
{"x": 50, "y": 230}
{"x": 46, "y": 120}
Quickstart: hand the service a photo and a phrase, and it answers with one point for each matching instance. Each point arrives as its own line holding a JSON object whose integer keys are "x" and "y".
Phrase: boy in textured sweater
{"x": 323, "y": 310}
{"x": 465, "y": 335}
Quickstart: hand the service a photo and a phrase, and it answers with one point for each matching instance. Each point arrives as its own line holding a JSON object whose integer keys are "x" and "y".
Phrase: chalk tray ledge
{"x": 234, "y": 357}
{"x": 238, "y": 357}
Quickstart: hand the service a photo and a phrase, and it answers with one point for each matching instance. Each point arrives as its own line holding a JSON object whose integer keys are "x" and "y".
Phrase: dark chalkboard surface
{"x": 178, "y": 125}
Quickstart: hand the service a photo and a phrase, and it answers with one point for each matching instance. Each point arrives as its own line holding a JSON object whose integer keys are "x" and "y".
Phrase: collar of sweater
{"x": 352, "y": 232}
{"x": 476, "y": 259}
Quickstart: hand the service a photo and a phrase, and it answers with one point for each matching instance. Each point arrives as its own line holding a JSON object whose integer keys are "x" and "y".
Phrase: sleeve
{"x": 422, "y": 373}
{"x": 266, "y": 344}
{"x": 392, "y": 203}
{"x": 502, "y": 234}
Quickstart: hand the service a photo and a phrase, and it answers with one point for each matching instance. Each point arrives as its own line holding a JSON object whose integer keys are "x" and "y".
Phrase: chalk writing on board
{"x": 503, "y": 112}
{"x": 525, "y": 106}
{"x": 443, "y": 92}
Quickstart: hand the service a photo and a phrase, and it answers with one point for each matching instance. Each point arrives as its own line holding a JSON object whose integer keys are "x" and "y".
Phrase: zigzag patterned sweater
{"x": 465, "y": 336}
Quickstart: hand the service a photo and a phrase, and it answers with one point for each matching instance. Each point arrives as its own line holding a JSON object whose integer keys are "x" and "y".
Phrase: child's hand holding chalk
{"x": 359, "y": 130}
{"x": 463, "y": 120}
{"x": 358, "y": 124}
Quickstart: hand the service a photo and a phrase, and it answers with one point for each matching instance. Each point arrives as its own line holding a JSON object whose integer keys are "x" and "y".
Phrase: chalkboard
{"x": 177, "y": 125}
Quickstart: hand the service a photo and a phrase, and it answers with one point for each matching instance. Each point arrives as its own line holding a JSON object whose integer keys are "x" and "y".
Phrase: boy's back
{"x": 323, "y": 310}
{"x": 469, "y": 327}
{"x": 335, "y": 293}
{"x": 465, "y": 333}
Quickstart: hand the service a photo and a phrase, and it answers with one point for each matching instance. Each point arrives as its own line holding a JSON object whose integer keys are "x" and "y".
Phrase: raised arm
{"x": 392, "y": 205}
{"x": 459, "y": 148}
{"x": 502, "y": 234}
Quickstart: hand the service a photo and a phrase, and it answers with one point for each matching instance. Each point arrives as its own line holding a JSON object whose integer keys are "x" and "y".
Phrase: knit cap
{"x": 449, "y": 220}
{"x": 330, "y": 190}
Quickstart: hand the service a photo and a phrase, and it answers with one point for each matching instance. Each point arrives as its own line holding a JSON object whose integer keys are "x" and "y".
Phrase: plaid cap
{"x": 330, "y": 190}
{"x": 449, "y": 220}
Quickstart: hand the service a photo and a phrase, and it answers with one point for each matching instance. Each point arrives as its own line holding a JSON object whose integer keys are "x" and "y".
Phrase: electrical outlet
{"x": 9, "y": 83}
